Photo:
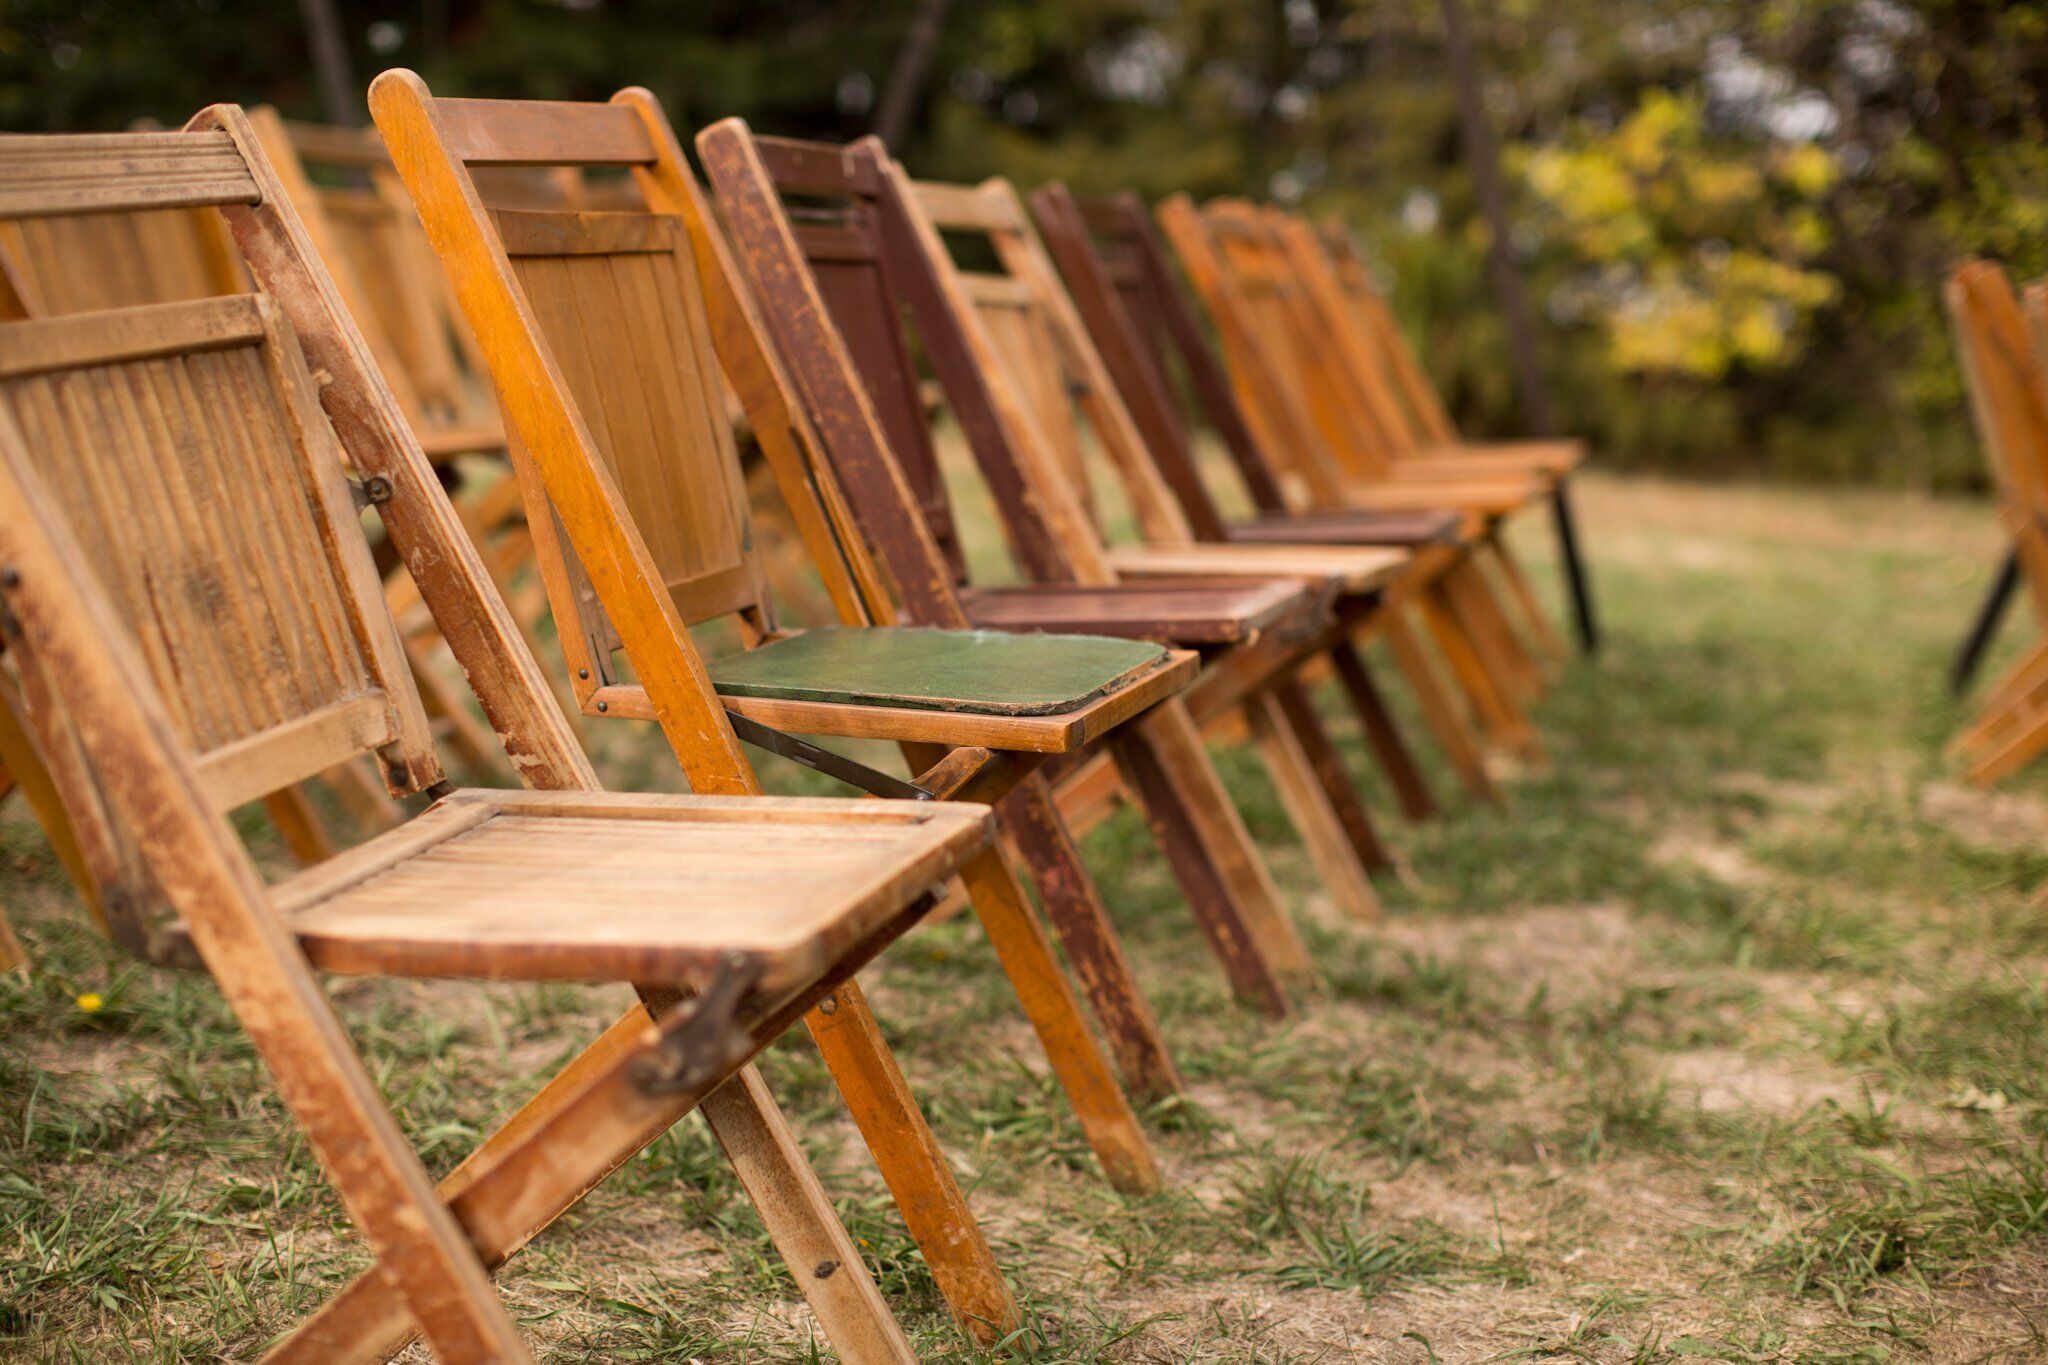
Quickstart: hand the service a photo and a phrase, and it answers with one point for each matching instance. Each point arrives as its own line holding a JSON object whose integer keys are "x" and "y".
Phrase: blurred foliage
{"x": 1734, "y": 214}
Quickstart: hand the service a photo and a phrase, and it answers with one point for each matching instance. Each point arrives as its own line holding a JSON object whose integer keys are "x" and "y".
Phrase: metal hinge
{"x": 371, "y": 492}
{"x": 708, "y": 1042}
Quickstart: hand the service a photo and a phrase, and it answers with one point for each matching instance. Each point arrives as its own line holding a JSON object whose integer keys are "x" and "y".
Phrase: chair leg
{"x": 1319, "y": 797}
{"x": 912, "y": 1165}
{"x": 1084, "y": 1072}
{"x": 27, "y": 771}
{"x": 1095, "y": 952}
{"x": 802, "y": 1222}
{"x": 1576, "y": 578}
{"x": 1535, "y": 619}
{"x": 298, "y": 826}
{"x": 1162, "y": 761}
{"x": 1396, "y": 760}
{"x": 469, "y": 737}
{"x": 1447, "y": 720}
{"x": 1502, "y": 720}
{"x": 1474, "y": 600}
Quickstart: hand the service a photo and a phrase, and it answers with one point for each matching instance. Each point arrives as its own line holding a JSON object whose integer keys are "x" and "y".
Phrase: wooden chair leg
{"x": 1995, "y": 713}
{"x": 1536, "y": 620}
{"x": 27, "y": 771}
{"x": 1095, "y": 952}
{"x": 469, "y": 737}
{"x": 1472, "y": 599}
{"x": 1384, "y": 737}
{"x": 1162, "y": 761}
{"x": 1447, "y": 721}
{"x": 1501, "y": 719}
{"x": 13, "y": 957}
{"x": 912, "y": 1165}
{"x": 362, "y": 794}
{"x": 802, "y": 1222}
{"x": 1084, "y": 1072}
{"x": 1319, "y": 797}
{"x": 299, "y": 826}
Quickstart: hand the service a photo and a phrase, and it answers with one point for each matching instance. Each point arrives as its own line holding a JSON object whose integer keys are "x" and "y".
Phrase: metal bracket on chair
{"x": 854, "y": 774}
{"x": 705, "y": 1043}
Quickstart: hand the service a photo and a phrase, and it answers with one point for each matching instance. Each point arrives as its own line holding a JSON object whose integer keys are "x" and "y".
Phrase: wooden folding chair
{"x": 1121, "y": 282}
{"x": 2001, "y": 366}
{"x": 827, "y": 299}
{"x": 193, "y": 618}
{"x": 1038, "y": 344}
{"x": 598, "y": 335}
{"x": 1308, "y": 410}
{"x": 821, "y": 281}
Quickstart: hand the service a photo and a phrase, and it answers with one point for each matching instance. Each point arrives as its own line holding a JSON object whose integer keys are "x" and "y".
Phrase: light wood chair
{"x": 193, "y": 618}
{"x": 1154, "y": 348}
{"x": 612, "y": 361}
{"x": 1308, "y": 410}
{"x": 1998, "y": 342}
{"x": 828, "y": 282}
{"x": 1039, "y": 347}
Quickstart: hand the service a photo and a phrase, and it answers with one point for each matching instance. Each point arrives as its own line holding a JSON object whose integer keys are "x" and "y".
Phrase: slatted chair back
{"x": 256, "y": 607}
{"x": 1432, "y": 420}
{"x": 1359, "y": 355}
{"x": 1226, "y": 266}
{"x": 67, "y": 264}
{"x": 844, "y": 217}
{"x": 1041, "y": 343}
{"x": 597, "y": 331}
{"x": 348, "y": 196}
{"x": 2008, "y": 390}
{"x": 1123, "y": 283}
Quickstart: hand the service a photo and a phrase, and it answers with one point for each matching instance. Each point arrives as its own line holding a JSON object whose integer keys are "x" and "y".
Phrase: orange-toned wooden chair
{"x": 2008, "y": 387}
{"x": 193, "y": 618}
{"x": 1308, "y": 410}
{"x": 1154, "y": 348}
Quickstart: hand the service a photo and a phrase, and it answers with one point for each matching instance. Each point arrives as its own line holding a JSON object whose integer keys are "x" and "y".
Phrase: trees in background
{"x": 1734, "y": 214}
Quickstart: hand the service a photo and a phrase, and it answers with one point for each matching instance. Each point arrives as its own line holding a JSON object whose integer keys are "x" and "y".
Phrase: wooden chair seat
{"x": 1191, "y": 611}
{"x": 1403, "y": 530}
{"x": 613, "y": 886}
{"x": 1556, "y": 457}
{"x": 980, "y": 672}
{"x": 1350, "y": 568}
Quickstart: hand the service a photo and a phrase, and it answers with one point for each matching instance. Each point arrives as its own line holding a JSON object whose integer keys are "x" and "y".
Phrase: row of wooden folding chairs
{"x": 610, "y": 339}
{"x": 1999, "y": 337}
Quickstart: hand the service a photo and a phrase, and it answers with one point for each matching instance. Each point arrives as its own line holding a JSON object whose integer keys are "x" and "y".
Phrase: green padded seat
{"x": 981, "y": 672}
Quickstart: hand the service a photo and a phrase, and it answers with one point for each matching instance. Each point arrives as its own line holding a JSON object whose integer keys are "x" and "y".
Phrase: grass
{"x": 1725, "y": 1042}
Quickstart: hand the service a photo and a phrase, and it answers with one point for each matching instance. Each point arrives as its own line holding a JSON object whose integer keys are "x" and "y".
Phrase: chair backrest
{"x": 1041, "y": 343}
{"x": 185, "y": 460}
{"x": 366, "y": 230}
{"x": 1358, "y": 352}
{"x": 835, "y": 245}
{"x": 599, "y": 338}
{"x": 1259, "y": 348}
{"x": 2004, "y": 376}
{"x": 1123, "y": 283}
{"x": 115, "y": 260}
{"x": 1425, "y": 405}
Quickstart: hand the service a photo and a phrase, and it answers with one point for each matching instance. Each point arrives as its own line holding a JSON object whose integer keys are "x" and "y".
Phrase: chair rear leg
{"x": 1448, "y": 721}
{"x": 802, "y": 1222}
{"x": 1498, "y": 715}
{"x": 1319, "y": 796}
{"x": 1163, "y": 764}
{"x": 1084, "y": 1072}
{"x": 297, "y": 824}
{"x": 1384, "y": 737}
{"x": 916, "y": 1171}
{"x": 1095, "y": 952}
{"x": 1535, "y": 619}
